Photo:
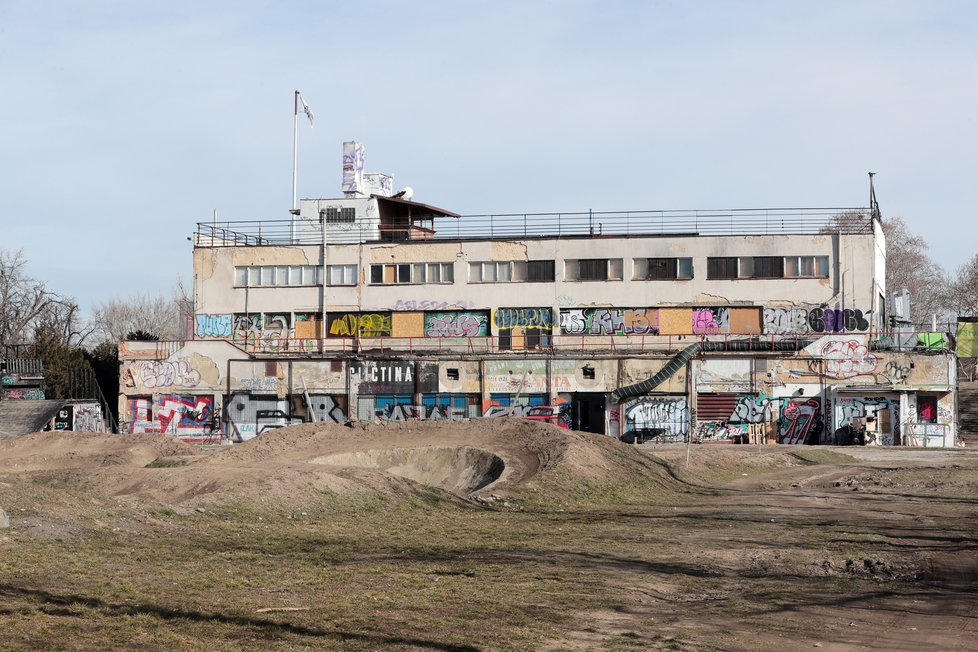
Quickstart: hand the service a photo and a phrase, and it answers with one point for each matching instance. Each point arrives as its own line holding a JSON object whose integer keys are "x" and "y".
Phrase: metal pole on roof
{"x": 295, "y": 149}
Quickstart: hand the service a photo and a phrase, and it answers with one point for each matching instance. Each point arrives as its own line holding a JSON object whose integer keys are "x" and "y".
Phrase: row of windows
{"x": 401, "y": 273}
{"x": 767, "y": 267}
{"x": 280, "y": 275}
{"x": 529, "y": 271}
{"x": 540, "y": 271}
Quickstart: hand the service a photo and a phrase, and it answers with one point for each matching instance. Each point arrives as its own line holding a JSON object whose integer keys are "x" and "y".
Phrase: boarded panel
{"x": 967, "y": 339}
{"x": 675, "y": 321}
{"x": 715, "y": 407}
{"x": 407, "y": 324}
{"x": 745, "y": 321}
{"x": 308, "y": 329}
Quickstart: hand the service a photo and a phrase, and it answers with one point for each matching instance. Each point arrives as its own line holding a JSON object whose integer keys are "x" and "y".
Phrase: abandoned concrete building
{"x": 671, "y": 325}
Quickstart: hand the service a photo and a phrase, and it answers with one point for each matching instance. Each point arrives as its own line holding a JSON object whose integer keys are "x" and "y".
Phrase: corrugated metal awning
{"x": 425, "y": 211}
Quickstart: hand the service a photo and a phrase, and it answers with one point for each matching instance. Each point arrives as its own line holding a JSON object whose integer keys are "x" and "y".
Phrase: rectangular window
{"x": 342, "y": 274}
{"x": 806, "y": 267}
{"x": 418, "y": 274}
{"x": 277, "y": 275}
{"x": 403, "y": 273}
{"x": 511, "y": 271}
{"x": 412, "y": 273}
{"x": 295, "y": 275}
{"x": 281, "y": 275}
{"x": 593, "y": 269}
{"x": 745, "y": 267}
{"x": 662, "y": 269}
{"x": 540, "y": 271}
{"x": 768, "y": 267}
{"x": 721, "y": 268}
{"x": 793, "y": 267}
{"x": 336, "y": 215}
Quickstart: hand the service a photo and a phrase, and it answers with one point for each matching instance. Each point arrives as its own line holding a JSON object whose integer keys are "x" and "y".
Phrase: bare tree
{"x": 26, "y": 304}
{"x": 158, "y": 316}
{"x": 908, "y": 266}
{"x": 964, "y": 289}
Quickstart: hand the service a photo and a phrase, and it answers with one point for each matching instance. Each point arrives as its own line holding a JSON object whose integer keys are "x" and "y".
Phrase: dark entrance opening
{"x": 587, "y": 412}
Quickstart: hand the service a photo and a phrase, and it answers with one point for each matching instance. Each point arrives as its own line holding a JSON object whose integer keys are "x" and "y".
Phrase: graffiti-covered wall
{"x": 188, "y": 417}
{"x": 665, "y": 417}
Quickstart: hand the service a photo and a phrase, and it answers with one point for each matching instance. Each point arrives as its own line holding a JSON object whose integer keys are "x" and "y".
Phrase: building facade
{"x": 674, "y": 325}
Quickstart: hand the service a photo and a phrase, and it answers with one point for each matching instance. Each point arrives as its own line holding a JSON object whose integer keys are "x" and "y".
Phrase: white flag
{"x": 306, "y": 109}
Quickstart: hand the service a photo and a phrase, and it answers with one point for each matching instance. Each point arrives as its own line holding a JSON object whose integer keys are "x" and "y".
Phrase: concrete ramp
{"x": 18, "y": 418}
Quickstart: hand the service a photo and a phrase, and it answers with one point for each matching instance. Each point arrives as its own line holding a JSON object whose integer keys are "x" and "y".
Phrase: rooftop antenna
{"x": 874, "y": 207}
{"x": 299, "y": 102}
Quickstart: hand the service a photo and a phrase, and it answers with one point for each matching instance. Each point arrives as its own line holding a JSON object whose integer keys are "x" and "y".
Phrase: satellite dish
{"x": 407, "y": 193}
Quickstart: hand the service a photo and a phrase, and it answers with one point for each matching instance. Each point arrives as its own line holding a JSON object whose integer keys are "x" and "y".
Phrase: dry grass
{"x": 562, "y": 563}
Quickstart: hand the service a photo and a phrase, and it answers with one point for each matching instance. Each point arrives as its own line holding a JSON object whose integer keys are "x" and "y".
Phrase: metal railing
{"x": 751, "y": 221}
{"x": 555, "y": 344}
{"x": 22, "y": 366}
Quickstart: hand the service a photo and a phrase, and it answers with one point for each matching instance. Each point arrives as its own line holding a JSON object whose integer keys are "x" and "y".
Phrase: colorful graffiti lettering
{"x": 848, "y": 409}
{"x": 87, "y": 418}
{"x": 668, "y": 415}
{"x": 785, "y": 321}
{"x": 456, "y": 324}
{"x": 24, "y": 394}
{"x": 800, "y": 321}
{"x": 711, "y": 321}
{"x": 798, "y": 421}
{"x": 190, "y": 418}
{"x": 414, "y": 305}
{"x": 260, "y": 384}
{"x": 420, "y": 412}
{"x": 168, "y": 373}
{"x": 508, "y": 318}
{"x": 214, "y": 325}
{"x": 847, "y": 358}
{"x": 719, "y": 431}
{"x": 365, "y": 324}
{"x": 752, "y": 409}
{"x": 269, "y": 333}
{"x": 609, "y": 321}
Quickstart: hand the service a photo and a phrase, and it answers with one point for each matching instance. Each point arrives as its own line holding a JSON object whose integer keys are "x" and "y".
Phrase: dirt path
{"x": 878, "y": 553}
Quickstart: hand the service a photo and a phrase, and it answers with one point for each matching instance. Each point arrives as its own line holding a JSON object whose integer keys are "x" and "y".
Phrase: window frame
{"x": 348, "y": 274}
{"x": 679, "y": 268}
{"x": 613, "y": 269}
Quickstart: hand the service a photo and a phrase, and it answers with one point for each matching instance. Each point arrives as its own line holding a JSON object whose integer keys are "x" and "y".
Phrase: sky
{"x": 123, "y": 124}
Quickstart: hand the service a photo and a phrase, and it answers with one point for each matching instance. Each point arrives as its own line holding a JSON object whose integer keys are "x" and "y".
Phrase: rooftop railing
{"x": 766, "y": 221}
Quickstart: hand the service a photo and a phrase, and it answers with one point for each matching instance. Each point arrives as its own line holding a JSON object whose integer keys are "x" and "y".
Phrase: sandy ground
{"x": 915, "y": 509}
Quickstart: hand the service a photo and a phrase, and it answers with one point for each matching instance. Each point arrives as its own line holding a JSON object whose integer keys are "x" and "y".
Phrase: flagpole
{"x": 295, "y": 160}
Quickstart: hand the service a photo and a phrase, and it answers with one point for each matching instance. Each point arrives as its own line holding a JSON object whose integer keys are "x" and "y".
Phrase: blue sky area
{"x": 124, "y": 123}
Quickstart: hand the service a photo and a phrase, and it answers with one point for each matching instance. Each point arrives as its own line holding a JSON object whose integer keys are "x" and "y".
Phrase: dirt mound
{"x": 460, "y": 470}
{"x": 290, "y": 465}
{"x": 57, "y": 450}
